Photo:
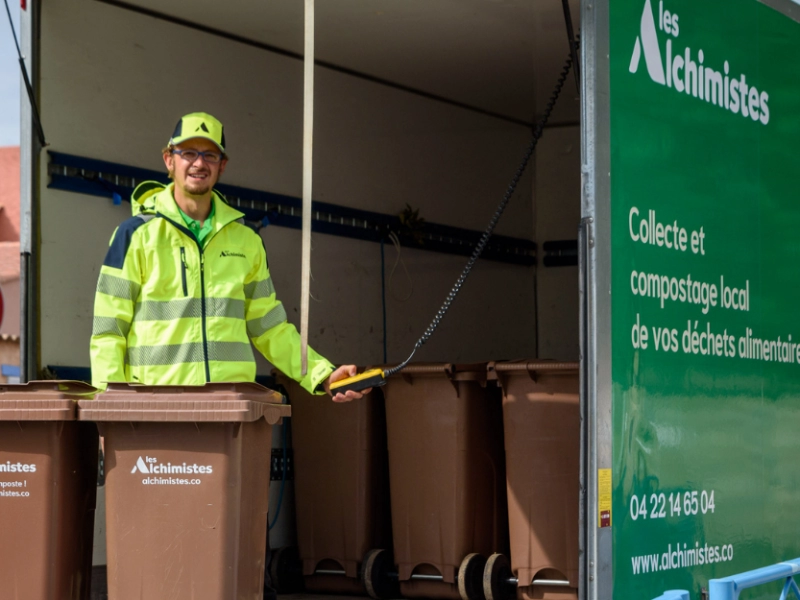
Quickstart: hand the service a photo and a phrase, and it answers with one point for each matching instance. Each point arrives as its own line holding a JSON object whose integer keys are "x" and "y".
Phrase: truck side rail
{"x": 729, "y": 588}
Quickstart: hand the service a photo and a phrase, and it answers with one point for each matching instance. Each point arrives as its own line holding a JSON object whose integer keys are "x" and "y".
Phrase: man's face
{"x": 194, "y": 178}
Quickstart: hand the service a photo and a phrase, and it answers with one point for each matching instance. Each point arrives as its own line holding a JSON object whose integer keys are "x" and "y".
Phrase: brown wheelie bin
{"x": 447, "y": 476}
{"x": 341, "y": 476}
{"x": 187, "y": 475}
{"x": 541, "y": 414}
{"x": 48, "y": 485}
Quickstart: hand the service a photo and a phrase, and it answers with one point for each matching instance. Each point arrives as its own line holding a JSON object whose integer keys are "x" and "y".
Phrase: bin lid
{"x": 42, "y": 400}
{"x": 212, "y": 402}
{"x": 529, "y": 366}
{"x": 504, "y": 371}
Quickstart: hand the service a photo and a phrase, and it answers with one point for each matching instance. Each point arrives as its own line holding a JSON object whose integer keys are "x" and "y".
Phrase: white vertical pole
{"x": 30, "y": 149}
{"x": 308, "y": 145}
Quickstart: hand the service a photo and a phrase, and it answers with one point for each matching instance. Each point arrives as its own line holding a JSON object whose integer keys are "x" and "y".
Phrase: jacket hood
{"x": 143, "y": 197}
{"x": 151, "y": 197}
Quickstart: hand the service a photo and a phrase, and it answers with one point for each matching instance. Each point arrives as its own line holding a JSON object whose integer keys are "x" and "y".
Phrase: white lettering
{"x": 703, "y": 81}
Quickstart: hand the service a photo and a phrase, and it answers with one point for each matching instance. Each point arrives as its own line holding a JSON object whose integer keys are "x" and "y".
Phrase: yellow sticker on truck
{"x": 604, "y": 497}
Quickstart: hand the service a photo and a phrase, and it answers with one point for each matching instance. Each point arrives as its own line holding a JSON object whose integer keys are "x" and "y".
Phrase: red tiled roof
{"x": 9, "y": 194}
{"x": 9, "y": 261}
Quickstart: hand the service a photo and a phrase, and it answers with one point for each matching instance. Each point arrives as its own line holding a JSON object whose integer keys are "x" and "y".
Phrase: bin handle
{"x": 68, "y": 387}
{"x": 252, "y": 386}
{"x": 77, "y": 388}
{"x": 449, "y": 370}
{"x": 496, "y": 369}
{"x": 534, "y": 365}
{"x": 271, "y": 413}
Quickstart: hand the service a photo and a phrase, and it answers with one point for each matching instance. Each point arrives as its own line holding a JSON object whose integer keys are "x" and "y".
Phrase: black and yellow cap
{"x": 199, "y": 125}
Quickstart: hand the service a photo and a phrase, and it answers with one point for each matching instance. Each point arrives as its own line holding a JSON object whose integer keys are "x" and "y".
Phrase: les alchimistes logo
{"x": 153, "y": 466}
{"x": 693, "y": 77}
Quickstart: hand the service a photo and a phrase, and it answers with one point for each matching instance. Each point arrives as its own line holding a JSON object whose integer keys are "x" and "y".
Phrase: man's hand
{"x": 344, "y": 372}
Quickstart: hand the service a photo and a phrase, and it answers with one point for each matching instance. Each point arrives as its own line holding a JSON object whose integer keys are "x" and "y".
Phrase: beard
{"x": 198, "y": 188}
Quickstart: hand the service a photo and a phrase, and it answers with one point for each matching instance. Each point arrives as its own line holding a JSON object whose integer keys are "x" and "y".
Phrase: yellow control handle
{"x": 362, "y": 381}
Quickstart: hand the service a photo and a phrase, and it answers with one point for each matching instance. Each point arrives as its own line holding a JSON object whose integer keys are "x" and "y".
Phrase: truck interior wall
{"x": 557, "y": 207}
{"x": 113, "y": 84}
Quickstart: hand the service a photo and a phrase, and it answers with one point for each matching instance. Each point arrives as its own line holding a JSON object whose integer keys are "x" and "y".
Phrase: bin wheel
{"x": 495, "y": 578}
{"x": 470, "y": 577}
{"x": 286, "y": 570}
{"x": 379, "y": 575}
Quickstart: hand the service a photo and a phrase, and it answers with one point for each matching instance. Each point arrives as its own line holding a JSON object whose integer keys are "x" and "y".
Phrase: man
{"x": 185, "y": 285}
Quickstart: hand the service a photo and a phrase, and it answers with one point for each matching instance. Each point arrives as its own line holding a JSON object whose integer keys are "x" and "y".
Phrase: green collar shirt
{"x": 201, "y": 233}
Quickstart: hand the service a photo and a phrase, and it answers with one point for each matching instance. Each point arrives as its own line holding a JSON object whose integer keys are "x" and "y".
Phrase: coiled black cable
{"x": 537, "y": 133}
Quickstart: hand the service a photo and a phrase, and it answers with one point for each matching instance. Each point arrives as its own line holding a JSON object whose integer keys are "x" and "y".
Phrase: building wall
{"x": 11, "y": 312}
{"x": 9, "y": 254}
{"x": 9, "y": 354}
{"x": 113, "y": 84}
{"x": 9, "y": 194}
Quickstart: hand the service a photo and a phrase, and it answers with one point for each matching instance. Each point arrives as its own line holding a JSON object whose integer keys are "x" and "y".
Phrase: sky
{"x": 9, "y": 77}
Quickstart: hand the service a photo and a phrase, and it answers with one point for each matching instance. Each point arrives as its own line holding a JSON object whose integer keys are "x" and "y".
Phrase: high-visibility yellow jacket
{"x": 170, "y": 313}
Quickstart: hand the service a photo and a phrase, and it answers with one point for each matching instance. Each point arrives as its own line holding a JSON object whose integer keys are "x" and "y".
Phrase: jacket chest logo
{"x": 227, "y": 253}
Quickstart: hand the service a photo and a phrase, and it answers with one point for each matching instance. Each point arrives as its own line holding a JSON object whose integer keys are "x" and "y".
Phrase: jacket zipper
{"x": 203, "y": 308}
{"x": 202, "y": 291}
{"x": 183, "y": 271}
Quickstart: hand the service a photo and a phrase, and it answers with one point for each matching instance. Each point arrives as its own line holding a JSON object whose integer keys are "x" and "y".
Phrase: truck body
{"x": 652, "y": 237}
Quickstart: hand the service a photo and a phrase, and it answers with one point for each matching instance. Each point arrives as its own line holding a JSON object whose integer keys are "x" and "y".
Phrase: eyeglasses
{"x": 212, "y": 158}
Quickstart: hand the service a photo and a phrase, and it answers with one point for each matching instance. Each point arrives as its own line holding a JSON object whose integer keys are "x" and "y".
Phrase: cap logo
{"x": 203, "y": 127}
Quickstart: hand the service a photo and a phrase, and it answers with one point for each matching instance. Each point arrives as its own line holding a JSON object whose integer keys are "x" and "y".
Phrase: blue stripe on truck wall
{"x": 112, "y": 180}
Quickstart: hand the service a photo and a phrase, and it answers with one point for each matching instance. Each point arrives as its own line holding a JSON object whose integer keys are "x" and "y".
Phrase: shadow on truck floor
{"x": 100, "y": 590}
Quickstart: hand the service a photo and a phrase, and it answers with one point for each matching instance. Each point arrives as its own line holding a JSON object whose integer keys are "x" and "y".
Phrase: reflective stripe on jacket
{"x": 168, "y": 312}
